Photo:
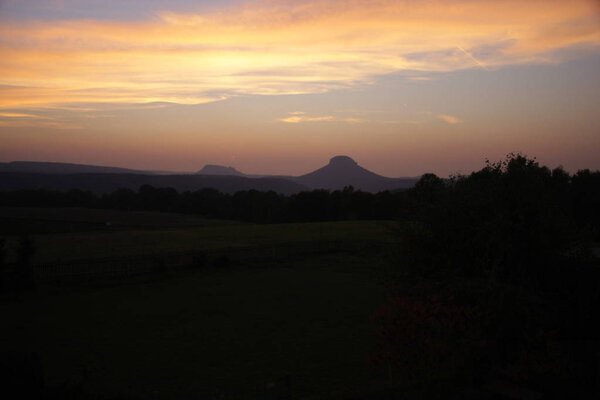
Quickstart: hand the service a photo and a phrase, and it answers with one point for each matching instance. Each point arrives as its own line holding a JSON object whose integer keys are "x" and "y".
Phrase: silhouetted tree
{"x": 511, "y": 240}
{"x": 585, "y": 195}
{"x": 79, "y": 198}
{"x": 121, "y": 199}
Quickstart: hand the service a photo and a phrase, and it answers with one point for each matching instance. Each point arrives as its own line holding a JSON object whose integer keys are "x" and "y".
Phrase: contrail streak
{"x": 473, "y": 58}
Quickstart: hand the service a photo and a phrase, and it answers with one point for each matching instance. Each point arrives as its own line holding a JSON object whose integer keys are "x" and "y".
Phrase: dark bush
{"x": 507, "y": 240}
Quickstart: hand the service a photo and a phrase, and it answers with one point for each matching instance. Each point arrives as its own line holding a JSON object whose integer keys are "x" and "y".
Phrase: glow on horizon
{"x": 51, "y": 70}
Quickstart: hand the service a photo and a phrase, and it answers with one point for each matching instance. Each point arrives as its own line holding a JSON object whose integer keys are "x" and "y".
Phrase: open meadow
{"x": 258, "y": 328}
{"x": 71, "y": 234}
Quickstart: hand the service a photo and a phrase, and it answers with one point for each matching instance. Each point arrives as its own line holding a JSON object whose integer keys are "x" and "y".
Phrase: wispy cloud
{"x": 277, "y": 47}
{"x": 401, "y": 122}
{"x": 23, "y": 123}
{"x": 17, "y": 115}
{"x": 298, "y": 117}
{"x": 22, "y": 120}
{"x": 420, "y": 78}
{"x": 449, "y": 119}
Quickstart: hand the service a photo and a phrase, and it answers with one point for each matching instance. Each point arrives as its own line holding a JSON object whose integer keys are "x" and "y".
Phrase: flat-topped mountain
{"x": 344, "y": 171}
{"x": 210, "y": 169}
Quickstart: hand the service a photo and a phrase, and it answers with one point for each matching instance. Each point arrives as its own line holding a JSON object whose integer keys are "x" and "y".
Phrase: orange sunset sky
{"x": 403, "y": 87}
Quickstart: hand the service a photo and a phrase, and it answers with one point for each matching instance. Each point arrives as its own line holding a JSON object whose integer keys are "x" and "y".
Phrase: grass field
{"x": 228, "y": 333}
{"x": 296, "y": 327}
{"x": 174, "y": 233}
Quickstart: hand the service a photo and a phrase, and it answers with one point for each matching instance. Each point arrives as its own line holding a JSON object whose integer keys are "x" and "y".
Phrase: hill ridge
{"x": 341, "y": 171}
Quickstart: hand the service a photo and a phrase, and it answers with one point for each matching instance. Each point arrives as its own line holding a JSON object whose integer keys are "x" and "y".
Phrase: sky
{"x": 403, "y": 87}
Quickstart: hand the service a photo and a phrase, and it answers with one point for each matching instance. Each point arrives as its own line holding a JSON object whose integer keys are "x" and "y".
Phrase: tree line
{"x": 248, "y": 205}
{"x": 517, "y": 186}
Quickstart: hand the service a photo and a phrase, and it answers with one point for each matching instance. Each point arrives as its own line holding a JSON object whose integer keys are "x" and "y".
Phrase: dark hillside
{"x": 63, "y": 168}
{"x": 104, "y": 183}
{"x": 343, "y": 171}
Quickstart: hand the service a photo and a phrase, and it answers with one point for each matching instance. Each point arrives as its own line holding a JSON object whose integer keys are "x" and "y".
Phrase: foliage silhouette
{"x": 511, "y": 240}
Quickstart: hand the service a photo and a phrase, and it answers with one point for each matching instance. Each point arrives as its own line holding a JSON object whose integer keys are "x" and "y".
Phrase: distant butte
{"x": 342, "y": 161}
{"x": 343, "y": 171}
{"x": 211, "y": 169}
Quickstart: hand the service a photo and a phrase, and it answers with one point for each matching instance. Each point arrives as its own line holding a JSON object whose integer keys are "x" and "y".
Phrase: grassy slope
{"x": 211, "y": 332}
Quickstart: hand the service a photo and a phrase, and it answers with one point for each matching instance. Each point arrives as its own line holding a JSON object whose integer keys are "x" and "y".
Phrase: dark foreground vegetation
{"x": 497, "y": 285}
{"x": 484, "y": 286}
